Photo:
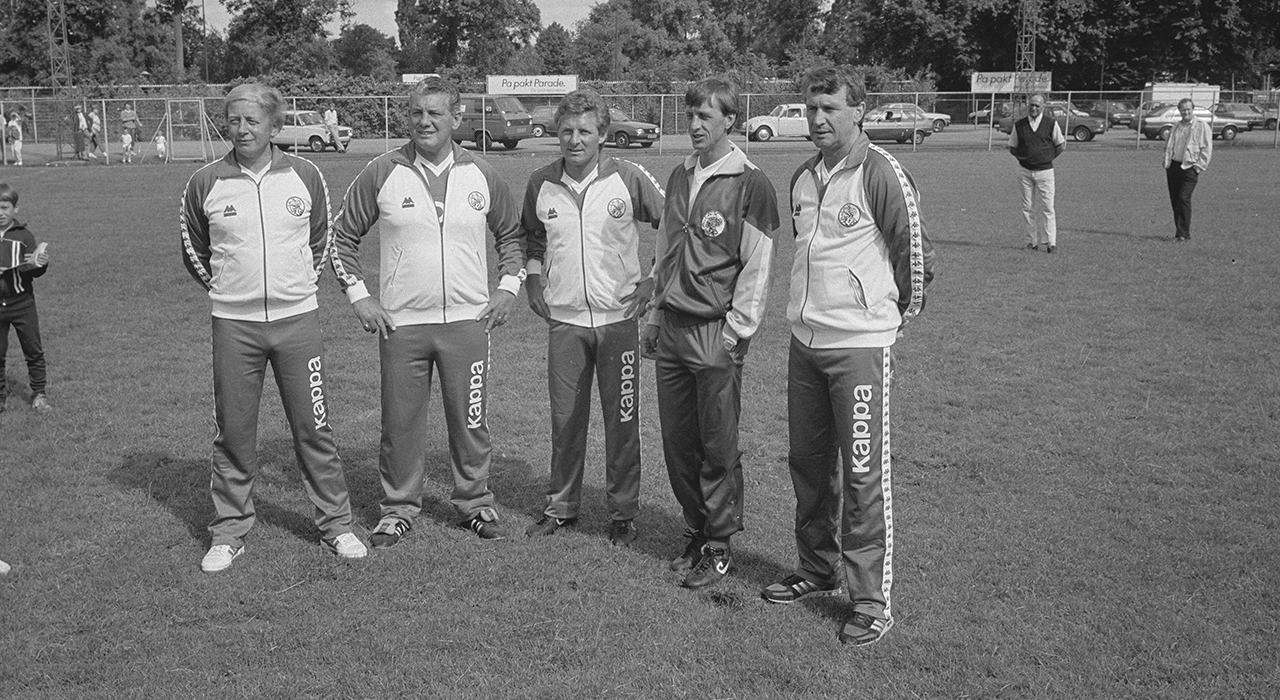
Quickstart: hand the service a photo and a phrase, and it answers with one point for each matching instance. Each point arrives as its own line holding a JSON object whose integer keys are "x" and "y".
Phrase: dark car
{"x": 624, "y": 131}
{"x": 888, "y": 125}
{"x": 1241, "y": 110}
{"x": 541, "y": 121}
{"x": 1074, "y": 122}
{"x": 1116, "y": 113}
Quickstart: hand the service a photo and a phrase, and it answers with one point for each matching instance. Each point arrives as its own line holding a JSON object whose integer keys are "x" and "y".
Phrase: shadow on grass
{"x": 1120, "y": 234}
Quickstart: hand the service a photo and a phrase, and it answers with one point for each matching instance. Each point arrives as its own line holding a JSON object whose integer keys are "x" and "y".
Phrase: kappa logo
{"x": 475, "y": 397}
{"x": 849, "y": 214}
{"x": 617, "y": 207}
{"x": 229, "y": 211}
{"x": 316, "y": 379}
{"x": 862, "y": 395}
{"x": 551, "y": 214}
{"x": 713, "y": 223}
{"x": 476, "y": 200}
{"x": 627, "y": 389}
{"x": 407, "y": 203}
{"x": 295, "y": 206}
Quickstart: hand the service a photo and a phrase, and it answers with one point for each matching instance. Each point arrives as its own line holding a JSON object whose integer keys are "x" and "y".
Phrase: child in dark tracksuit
{"x": 20, "y": 263}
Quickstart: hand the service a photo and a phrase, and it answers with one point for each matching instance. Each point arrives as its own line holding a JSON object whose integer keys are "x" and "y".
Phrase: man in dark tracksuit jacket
{"x": 19, "y": 265}
{"x": 712, "y": 276}
{"x": 1035, "y": 141}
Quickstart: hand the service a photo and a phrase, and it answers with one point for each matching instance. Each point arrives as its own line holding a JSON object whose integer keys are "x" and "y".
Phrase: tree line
{"x": 930, "y": 44}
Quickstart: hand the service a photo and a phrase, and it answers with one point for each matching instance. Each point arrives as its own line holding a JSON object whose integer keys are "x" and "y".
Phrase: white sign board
{"x": 532, "y": 84}
{"x": 1011, "y": 81}
{"x": 415, "y": 78}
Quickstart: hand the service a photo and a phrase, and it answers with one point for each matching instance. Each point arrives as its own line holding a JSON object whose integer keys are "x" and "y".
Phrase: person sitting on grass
{"x": 21, "y": 261}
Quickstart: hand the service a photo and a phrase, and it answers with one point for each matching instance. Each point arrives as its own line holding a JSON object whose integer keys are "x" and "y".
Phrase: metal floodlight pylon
{"x": 59, "y": 58}
{"x": 1028, "y": 19}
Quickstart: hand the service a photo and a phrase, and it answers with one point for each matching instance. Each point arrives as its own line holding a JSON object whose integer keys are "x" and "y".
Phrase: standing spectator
{"x": 80, "y": 131}
{"x": 95, "y": 131}
{"x": 13, "y": 130}
{"x": 1035, "y": 142}
{"x": 255, "y": 234}
{"x": 862, "y": 261}
{"x": 582, "y": 219}
{"x": 1186, "y": 155}
{"x": 129, "y": 121}
{"x": 434, "y": 311}
{"x": 126, "y": 146}
{"x": 331, "y": 124}
{"x": 713, "y": 254}
{"x": 162, "y": 147}
{"x": 22, "y": 260}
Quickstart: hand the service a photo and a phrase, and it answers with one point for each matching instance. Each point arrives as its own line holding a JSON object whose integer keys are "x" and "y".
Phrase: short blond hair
{"x": 268, "y": 98}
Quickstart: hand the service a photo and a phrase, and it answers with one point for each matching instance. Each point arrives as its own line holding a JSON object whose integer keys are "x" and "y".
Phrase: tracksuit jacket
{"x": 15, "y": 245}
{"x": 587, "y": 247}
{"x": 862, "y": 258}
{"x": 433, "y": 268}
{"x": 258, "y": 247}
{"x": 713, "y": 256}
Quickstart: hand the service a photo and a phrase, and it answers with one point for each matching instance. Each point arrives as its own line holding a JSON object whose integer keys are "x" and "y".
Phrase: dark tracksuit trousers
{"x": 1181, "y": 184}
{"x": 699, "y": 401}
{"x": 838, "y": 412}
{"x": 241, "y": 352}
{"x": 410, "y": 357}
{"x": 25, "y": 321}
{"x": 574, "y": 353}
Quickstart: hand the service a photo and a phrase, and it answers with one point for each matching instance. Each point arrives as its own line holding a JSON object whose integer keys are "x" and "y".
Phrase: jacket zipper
{"x": 262, "y": 223}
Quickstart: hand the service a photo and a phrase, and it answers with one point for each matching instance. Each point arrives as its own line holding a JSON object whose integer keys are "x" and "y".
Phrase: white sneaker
{"x": 4, "y": 568}
{"x": 347, "y": 546}
{"x": 219, "y": 558}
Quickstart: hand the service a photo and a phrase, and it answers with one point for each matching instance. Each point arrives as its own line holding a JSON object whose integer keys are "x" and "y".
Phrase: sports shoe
{"x": 622, "y": 533}
{"x": 1032, "y": 246}
{"x": 793, "y": 588}
{"x": 41, "y": 404}
{"x": 389, "y": 532}
{"x": 347, "y": 546}
{"x": 485, "y": 525}
{"x": 548, "y": 526}
{"x": 713, "y": 566}
{"x": 219, "y": 558}
{"x": 1051, "y": 249}
{"x": 692, "y": 553}
{"x": 862, "y": 629}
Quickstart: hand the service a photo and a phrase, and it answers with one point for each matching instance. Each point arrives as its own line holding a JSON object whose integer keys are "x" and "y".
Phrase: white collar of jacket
{"x": 605, "y": 167}
{"x": 229, "y": 166}
{"x": 736, "y": 164}
{"x": 857, "y": 156}
{"x": 407, "y": 155}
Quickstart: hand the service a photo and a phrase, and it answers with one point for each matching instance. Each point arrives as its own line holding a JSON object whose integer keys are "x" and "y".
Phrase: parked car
{"x": 982, "y": 115}
{"x": 1270, "y": 112}
{"x": 1074, "y": 122}
{"x": 306, "y": 128}
{"x": 624, "y": 131}
{"x": 504, "y": 120}
{"x": 540, "y": 120}
{"x": 907, "y": 109}
{"x": 1116, "y": 113}
{"x": 1240, "y": 110}
{"x": 1159, "y": 124}
{"x": 784, "y": 120}
{"x": 882, "y": 124}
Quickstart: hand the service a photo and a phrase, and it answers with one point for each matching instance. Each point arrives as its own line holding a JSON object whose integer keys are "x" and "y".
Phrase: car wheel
{"x": 646, "y": 144}
{"x": 764, "y": 133}
{"x": 510, "y": 144}
{"x": 538, "y": 131}
{"x": 1081, "y": 133}
{"x": 919, "y": 138}
{"x": 939, "y": 125}
{"x": 1163, "y": 133}
{"x": 483, "y": 142}
{"x": 1270, "y": 125}
{"x": 1228, "y": 133}
{"x": 317, "y": 144}
{"x": 621, "y": 140}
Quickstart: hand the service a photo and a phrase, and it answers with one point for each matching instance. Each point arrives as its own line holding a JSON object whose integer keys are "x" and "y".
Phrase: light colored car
{"x": 784, "y": 120}
{"x": 906, "y": 109}
{"x": 306, "y": 129}
{"x": 1159, "y": 123}
{"x": 1240, "y": 110}
{"x": 624, "y": 131}
{"x": 1074, "y": 122}
{"x": 883, "y": 124}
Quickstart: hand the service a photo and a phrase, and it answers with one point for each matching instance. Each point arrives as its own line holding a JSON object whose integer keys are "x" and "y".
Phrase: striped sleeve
{"x": 321, "y": 224}
{"x": 194, "y": 225}
{"x": 358, "y": 214}
{"x": 647, "y": 197}
{"x": 532, "y": 227}
{"x": 504, "y": 223}
{"x": 895, "y": 207}
{"x": 759, "y": 224}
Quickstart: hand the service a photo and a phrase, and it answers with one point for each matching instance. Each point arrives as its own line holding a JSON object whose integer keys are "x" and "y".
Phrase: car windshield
{"x": 510, "y": 105}
{"x": 777, "y": 111}
{"x": 618, "y": 115}
{"x": 308, "y": 118}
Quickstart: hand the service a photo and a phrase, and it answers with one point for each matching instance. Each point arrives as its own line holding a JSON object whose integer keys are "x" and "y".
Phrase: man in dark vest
{"x": 1035, "y": 142}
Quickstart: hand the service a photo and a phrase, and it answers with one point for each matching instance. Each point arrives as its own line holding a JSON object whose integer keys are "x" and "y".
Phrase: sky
{"x": 381, "y": 14}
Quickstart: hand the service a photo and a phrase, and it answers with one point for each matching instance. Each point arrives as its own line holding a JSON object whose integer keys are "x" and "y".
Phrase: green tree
{"x": 282, "y": 35}
{"x": 363, "y": 50}
{"x": 484, "y": 34}
{"x": 555, "y": 48}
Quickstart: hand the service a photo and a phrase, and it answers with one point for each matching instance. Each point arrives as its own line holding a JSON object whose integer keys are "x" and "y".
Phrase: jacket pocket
{"x": 859, "y": 292}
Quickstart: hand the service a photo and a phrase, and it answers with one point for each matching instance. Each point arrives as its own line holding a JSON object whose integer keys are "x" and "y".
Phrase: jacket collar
{"x": 857, "y": 155}
{"x": 605, "y": 165}
{"x": 736, "y": 164}
{"x": 228, "y": 166}
{"x": 407, "y": 154}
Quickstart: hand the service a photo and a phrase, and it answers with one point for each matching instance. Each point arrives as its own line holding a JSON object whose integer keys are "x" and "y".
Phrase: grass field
{"x": 1085, "y": 462}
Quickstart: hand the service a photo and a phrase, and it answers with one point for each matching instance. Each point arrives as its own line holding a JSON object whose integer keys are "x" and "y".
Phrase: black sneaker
{"x": 711, "y": 567}
{"x": 1051, "y": 249}
{"x": 793, "y": 588}
{"x": 389, "y": 532}
{"x": 622, "y": 533}
{"x": 1032, "y": 246}
{"x": 548, "y": 526}
{"x": 485, "y": 525}
{"x": 692, "y": 553}
{"x": 862, "y": 629}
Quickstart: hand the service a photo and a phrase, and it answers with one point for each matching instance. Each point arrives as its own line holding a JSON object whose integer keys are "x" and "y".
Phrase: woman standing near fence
{"x": 13, "y": 132}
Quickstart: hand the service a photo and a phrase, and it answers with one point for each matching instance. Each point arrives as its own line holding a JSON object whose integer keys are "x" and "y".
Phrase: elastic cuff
{"x": 357, "y": 291}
